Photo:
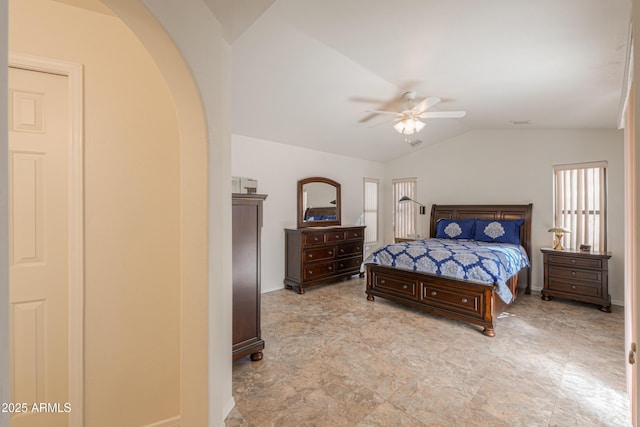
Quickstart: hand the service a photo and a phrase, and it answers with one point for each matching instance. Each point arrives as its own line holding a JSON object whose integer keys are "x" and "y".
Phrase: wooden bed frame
{"x": 457, "y": 299}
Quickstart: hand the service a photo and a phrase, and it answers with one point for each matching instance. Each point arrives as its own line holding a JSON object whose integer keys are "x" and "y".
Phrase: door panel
{"x": 38, "y": 245}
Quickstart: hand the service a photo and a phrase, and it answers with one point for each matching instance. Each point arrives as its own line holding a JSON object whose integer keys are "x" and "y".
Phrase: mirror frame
{"x": 317, "y": 179}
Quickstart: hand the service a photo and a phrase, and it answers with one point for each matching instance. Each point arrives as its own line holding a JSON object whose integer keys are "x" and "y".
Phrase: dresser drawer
{"x": 556, "y": 272}
{"x": 575, "y": 288}
{"x": 312, "y": 239}
{"x": 575, "y": 261}
{"x": 349, "y": 264}
{"x": 450, "y": 298}
{"x": 355, "y": 234}
{"x": 334, "y": 236}
{"x": 315, "y": 271}
{"x": 396, "y": 286}
{"x": 310, "y": 255}
{"x": 349, "y": 249}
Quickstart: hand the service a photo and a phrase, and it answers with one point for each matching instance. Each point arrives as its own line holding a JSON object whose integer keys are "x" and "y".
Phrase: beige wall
{"x": 132, "y": 272}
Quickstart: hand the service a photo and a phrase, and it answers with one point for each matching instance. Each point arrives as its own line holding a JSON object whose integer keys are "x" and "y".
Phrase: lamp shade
{"x": 559, "y": 230}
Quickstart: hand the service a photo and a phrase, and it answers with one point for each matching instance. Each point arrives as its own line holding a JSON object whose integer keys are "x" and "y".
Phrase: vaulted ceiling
{"x": 305, "y": 72}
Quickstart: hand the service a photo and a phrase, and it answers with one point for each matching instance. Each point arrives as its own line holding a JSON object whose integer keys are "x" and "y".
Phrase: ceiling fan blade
{"x": 381, "y": 123}
{"x": 442, "y": 115}
{"x": 425, "y": 104}
{"x": 382, "y": 112}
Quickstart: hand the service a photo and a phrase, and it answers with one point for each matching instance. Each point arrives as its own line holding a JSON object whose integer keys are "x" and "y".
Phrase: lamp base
{"x": 557, "y": 242}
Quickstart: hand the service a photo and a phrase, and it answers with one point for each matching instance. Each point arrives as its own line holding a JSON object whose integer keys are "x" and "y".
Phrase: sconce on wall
{"x": 423, "y": 209}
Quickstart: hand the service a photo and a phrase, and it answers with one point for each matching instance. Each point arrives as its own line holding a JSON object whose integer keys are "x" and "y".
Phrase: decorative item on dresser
{"x": 246, "y": 230}
{"x": 577, "y": 275}
{"x": 321, "y": 255}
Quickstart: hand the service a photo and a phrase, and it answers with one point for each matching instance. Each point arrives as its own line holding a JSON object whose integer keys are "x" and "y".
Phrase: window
{"x": 371, "y": 210}
{"x": 581, "y": 204}
{"x": 404, "y": 214}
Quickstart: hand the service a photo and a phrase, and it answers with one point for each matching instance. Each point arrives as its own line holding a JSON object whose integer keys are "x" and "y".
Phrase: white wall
{"x": 278, "y": 167}
{"x": 515, "y": 166}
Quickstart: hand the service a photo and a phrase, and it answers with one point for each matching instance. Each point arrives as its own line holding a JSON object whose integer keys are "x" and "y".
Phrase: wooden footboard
{"x": 466, "y": 301}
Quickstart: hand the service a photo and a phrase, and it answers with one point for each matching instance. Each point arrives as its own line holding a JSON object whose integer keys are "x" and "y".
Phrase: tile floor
{"x": 332, "y": 358}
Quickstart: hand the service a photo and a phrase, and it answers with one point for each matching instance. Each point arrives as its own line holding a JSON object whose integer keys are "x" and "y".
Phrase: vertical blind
{"x": 404, "y": 214}
{"x": 371, "y": 210}
{"x": 581, "y": 204}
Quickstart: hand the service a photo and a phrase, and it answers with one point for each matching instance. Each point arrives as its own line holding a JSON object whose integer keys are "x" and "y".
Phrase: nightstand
{"x": 580, "y": 276}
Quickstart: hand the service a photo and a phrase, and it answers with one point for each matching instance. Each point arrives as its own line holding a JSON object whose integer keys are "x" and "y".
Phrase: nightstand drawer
{"x": 556, "y": 272}
{"x": 575, "y": 288}
{"x": 575, "y": 261}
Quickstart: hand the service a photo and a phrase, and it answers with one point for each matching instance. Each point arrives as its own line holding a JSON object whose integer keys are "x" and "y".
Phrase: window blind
{"x": 404, "y": 214}
{"x": 371, "y": 210}
{"x": 581, "y": 204}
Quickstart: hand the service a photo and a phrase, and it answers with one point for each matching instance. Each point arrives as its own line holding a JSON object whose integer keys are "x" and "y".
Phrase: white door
{"x": 39, "y": 287}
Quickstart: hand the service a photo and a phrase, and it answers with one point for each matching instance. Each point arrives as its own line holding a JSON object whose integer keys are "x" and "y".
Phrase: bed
{"x": 461, "y": 299}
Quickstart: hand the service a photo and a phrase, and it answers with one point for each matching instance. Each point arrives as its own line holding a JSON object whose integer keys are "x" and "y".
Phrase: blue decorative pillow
{"x": 455, "y": 228}
{"x": 498, "y": 231}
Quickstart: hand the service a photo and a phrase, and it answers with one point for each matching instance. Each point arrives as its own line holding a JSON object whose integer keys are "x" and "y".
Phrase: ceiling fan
{"x": 407, "y": 121}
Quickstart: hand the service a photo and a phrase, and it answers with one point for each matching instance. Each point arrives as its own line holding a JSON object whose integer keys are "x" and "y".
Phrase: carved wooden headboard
{"x": 488, "y": 212}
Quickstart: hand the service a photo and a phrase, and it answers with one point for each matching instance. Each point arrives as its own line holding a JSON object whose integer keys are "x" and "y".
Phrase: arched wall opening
{"x": 197, "y": 80}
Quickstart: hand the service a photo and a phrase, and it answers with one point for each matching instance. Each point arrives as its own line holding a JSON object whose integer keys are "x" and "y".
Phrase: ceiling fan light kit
{"x": 409, "y": 126}
{"x": 407, "y": 121}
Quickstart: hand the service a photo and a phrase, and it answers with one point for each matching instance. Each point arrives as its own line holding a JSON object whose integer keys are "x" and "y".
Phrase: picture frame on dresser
{"x": 577, "y": 275}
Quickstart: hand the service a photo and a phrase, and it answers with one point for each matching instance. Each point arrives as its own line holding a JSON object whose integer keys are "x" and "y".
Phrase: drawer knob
{"x": 573, "y": 287}
{"x": 341, "y": 265}
{"x": 434, "y": 293}
{"x": 382, "y": 281}
{"x": 330, "y": 268}
{"x": 337, "y": 236}
{"x": 573, "y": 261}
{"x": 573, "y": 273}
{"x": 310, "y": 255}
{"x": 355, "y": 234}
{"x": 309, "y": 272}
{"x": 341, "y": 250}
{"x": 464, "y": 300}
{"x": 330, "y": 253}
{"x": 315, "y": 238}
{"x": 357, "y": 249}
{"x": 405, "y": 286}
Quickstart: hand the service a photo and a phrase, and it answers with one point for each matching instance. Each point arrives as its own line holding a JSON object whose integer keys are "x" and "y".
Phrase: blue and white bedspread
{"x": 487, "y": 263}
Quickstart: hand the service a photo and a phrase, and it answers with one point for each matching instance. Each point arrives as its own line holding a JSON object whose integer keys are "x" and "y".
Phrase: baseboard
{"x": 228, "y": 407}
{"x": 169, "y": 422}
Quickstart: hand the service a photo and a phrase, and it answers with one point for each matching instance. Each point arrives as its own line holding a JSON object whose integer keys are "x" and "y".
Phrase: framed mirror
{"x": 318, "y": 202}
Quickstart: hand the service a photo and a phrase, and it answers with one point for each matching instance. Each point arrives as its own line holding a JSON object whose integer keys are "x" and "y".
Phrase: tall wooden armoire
{"x": 247, "y": 227}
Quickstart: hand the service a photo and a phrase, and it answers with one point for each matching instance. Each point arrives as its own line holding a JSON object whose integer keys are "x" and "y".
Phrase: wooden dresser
{"x": 580, "y": 276}
{"x": 246, "y": 226}
{"x": 316, "y": 255}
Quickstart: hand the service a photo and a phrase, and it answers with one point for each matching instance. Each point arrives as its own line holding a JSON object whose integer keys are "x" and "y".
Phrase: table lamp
{"x": 559, "y": 232}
